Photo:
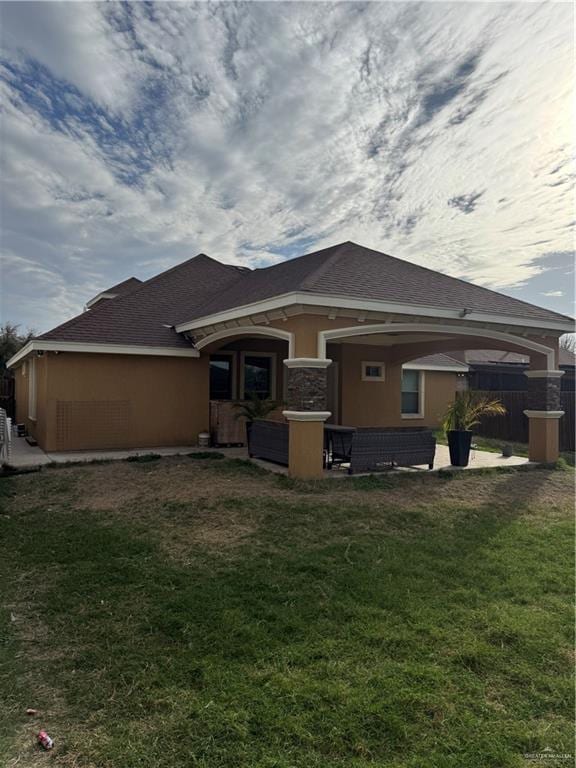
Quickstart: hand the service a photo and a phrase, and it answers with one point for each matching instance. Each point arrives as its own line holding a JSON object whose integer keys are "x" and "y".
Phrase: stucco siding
{"x": 378, "y": 403}
{"x": 121, "y": 401}
{"x": 440, "y": 391}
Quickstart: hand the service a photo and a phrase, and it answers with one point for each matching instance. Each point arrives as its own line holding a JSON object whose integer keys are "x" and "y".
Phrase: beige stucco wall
{"x": 91, "y": 401}
{"x": 375, "y": 403}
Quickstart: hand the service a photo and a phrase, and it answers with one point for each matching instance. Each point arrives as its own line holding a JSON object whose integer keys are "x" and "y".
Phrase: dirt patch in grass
{"x": 224, "y": 506}
{"x": 198, "y": 494}
{"x": 119, "y": 484}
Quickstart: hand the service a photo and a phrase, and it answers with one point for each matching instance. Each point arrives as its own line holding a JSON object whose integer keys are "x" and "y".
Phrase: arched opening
{"x": 415, "y": 339}
{"x": 246, "y": 331}
{"x": 245, "y": 363}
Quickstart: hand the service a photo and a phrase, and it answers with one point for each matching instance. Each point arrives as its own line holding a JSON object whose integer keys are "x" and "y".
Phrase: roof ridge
{"x": 247, "y": 276}
{"x": 310, "y": 279}
{"x": 183, "y": 263}
{"x": 167, "y": 272}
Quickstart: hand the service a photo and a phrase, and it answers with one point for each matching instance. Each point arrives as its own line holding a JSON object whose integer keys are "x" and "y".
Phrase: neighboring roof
{"x": 497, "y": 357}
{"x": 352, "y": 271}
{"x": 120, "y": 289}
{"x": 147, "y": 313}
{"x": 437, "y": 362}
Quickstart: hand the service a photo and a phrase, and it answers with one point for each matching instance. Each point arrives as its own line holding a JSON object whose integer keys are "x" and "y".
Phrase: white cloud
{"x": 429, "y": 131}
{"x": 553, "y": 293}
{"x": 73, "y": 41}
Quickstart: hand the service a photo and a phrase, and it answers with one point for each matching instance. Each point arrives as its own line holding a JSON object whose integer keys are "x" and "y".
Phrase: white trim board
{"x": 544, "y": 414}
{"x": 367, "y": 330}
{"x": 99, "y": 297}
{"x": 248, "y": 330}
{"x": 41, "y": 345}
{"x": 32, "y": 391}
{"x": 344, "y": 302}
{"x": 306, "y": 415}
{"x": 306, "y": 362}
{"x": 446, "y": 368}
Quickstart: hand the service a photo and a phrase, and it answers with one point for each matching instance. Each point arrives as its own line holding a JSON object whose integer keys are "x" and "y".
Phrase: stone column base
{"x": 306, "y": 444}
{"x": 544, "y": 435}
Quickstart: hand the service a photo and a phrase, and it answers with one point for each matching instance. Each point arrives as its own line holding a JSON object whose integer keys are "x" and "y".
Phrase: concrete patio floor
{"x": 24, "y": 456}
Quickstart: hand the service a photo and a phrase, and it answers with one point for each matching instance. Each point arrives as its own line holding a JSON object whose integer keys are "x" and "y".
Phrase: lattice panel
{"x": 92, "y": 424}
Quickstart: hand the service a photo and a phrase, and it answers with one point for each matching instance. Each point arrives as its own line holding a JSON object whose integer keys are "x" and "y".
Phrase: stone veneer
{"x": 544, "y": 394}
{"x": 307, "y": 389}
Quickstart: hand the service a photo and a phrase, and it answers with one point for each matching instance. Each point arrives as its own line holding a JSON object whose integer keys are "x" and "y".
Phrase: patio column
{"x": 306, "y": 413}
{"x": 544, "y": 412}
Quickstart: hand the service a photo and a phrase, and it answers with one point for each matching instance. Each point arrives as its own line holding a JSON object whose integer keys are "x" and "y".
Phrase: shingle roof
{"x": 353, "y": 271}
{"x": 120, "y": 289}
{"x": 126, "y": 286}
{"x": 145, "y": 315}
{"x": 441, "y": 361}
{"x": 498, "y": 357}
{"x": 202, "y": 286}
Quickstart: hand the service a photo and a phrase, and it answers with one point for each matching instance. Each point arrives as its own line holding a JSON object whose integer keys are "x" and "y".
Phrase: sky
{"x": 137, "y": 135}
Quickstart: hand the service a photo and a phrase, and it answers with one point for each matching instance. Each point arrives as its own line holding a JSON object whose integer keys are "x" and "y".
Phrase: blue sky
{"x": 137, "y": 135}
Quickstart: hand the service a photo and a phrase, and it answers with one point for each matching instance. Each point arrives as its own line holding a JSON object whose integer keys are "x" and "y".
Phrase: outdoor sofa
{"x": 372, "y": 449}
{"x": 268, "y": 440}
{"x": 365, "y": 449}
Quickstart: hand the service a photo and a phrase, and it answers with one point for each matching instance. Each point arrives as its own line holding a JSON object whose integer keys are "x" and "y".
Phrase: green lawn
{"x": 180, "y": 612}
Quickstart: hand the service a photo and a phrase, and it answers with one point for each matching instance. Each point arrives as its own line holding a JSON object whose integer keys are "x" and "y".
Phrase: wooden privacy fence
{"x": 7, "y": 395}
{"x": 514, "y": 425}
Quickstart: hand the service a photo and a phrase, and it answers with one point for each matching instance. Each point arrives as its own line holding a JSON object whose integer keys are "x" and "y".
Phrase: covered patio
{"x": 355, "y": 368}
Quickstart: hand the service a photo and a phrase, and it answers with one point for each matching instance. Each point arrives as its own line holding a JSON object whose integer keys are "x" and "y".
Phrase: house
{"x": 334, "y": 334}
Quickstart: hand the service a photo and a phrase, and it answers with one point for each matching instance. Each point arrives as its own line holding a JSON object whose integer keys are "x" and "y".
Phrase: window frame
{"x": 374, "y": 364}
{"x": 421, "y": 396}
{"x": 233, "y": 367}
{"x": 273, "y": 381}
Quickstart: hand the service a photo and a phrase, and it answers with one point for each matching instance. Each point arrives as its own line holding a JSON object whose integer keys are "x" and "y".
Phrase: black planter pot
{"x": 459, "y": 441}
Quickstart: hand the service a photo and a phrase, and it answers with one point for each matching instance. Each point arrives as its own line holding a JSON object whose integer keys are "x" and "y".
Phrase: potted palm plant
{"x": 254, "y": 408}
{"x": 461, "y": 416}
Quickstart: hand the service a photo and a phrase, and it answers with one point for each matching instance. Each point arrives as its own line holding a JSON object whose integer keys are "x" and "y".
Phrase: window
{"x": 372, "y": 371}
{"x": 32, "y": 390}
{"x": 412, "y": 394}
{"x": 222, "y": 376}
{"x": 258, "y": 375}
